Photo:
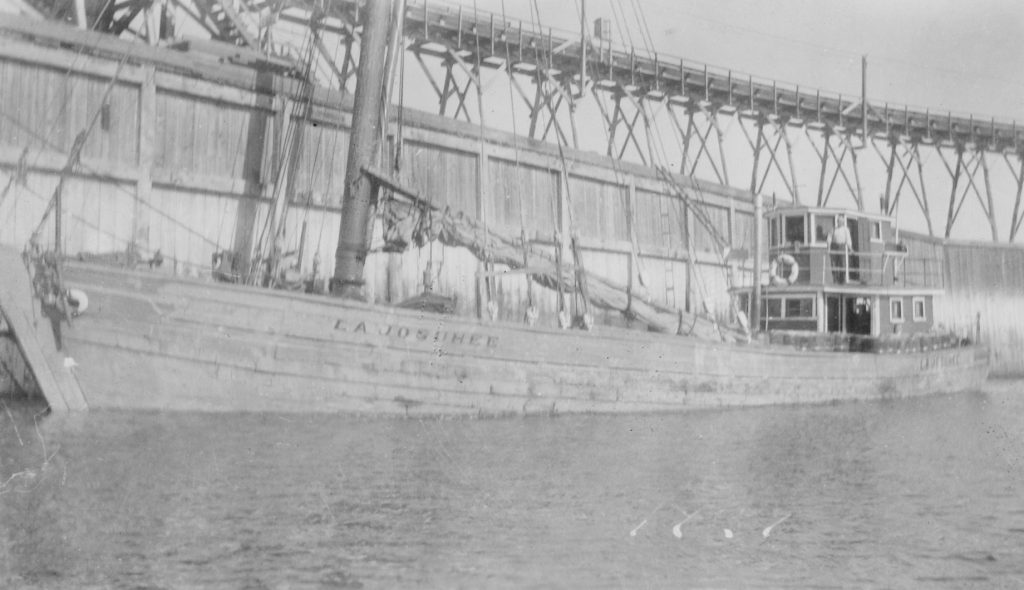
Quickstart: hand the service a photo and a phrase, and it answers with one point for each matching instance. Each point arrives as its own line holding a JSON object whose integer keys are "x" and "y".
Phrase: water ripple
{"x": 895, "y": 494}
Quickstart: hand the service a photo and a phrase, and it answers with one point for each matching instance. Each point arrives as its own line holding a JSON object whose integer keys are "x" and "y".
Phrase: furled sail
{"x": 414, "y": 221}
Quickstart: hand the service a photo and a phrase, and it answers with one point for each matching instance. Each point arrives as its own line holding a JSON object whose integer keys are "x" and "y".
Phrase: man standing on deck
{"x": 839, "y": 243}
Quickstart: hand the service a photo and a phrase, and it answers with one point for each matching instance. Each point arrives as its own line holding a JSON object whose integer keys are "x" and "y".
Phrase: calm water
{"x": 926, "y": 492}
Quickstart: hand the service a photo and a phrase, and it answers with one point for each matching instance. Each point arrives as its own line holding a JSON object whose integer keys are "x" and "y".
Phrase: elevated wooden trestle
{"x": 454, "y": 44}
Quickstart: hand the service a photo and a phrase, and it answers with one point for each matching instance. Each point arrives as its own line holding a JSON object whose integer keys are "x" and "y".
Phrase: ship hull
{"x": 152, "y": 342}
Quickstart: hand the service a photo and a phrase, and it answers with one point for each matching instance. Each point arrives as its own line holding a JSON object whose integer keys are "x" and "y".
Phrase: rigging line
{"x": 238, "y": 152}
{"x": 644, "y": 27}
{"x": 704, "y": 217}
{"x": 579, "y": 276}
{"x": 515, "y": 151}
{"x": 266, "y": 240}
{"x": 399, "y": 148}
{"x": 12, "y": 210}
{"x": 558, "y": 238}
{"x": 76, "y": 151}
{"x": 702, "y": 287}
{"x": 660, "y": 143}
{"x": 620, "y": 18}
{"x": 86, "y": 222}
{"x": 548, "y": 80}
{"x": 118, "y": 187}
{"x": 696, "y": 186}
{"x": 224, "y": 208}
{"x": 644, "y": 33}
{"x": 620, "y": 178}
{"x": 400, "y": 123}
{"x": 327, "y": 190}
{"x": 174, "y": 221}
{"x": 660, "y": 152}
{"x": 535, "y": 15}
{"x": 392, "y": 73}
{"x": 46, "y": 143}
{"x": 67, "y": 74}
{"x": 311, "y": 169}
{"x": 483, "y": 202}
{"x": 330, "y": 168}
{"x": 697, "y": 273}
{"x": 10, "y": 183}
{"x": 699, "y": 213}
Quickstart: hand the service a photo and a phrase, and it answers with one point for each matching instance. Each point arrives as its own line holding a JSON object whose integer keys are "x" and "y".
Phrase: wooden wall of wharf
{"x": 183, "y": 161}
{"x": 984, "y": 290}
{"x": 184, "y": 156}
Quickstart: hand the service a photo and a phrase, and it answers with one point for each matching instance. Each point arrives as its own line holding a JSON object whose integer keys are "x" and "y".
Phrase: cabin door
{"x": 833, "y": 313}
{"x": 858, "y": 315}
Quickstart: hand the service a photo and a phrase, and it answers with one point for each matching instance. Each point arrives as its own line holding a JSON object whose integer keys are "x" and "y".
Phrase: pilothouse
{"x": 845, "y": 279}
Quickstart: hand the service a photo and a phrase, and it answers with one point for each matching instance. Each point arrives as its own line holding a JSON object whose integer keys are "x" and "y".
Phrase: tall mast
{"x": 350, "y": 256}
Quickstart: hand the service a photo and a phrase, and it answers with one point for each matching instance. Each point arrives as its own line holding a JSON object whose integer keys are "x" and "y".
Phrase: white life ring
{"x": 778, "y": 265}
{"x": 78, "y": 301}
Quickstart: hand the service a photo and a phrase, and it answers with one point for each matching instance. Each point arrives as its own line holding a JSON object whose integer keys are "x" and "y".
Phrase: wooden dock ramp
{"x": 53, "y": 369}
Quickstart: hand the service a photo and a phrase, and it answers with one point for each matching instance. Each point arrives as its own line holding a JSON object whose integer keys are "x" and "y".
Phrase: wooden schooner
{"x": 147, "y": 340}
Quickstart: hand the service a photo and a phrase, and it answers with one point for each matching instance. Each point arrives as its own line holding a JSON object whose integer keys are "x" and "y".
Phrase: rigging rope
{"x": 75, "y": 156}
{"x": 267, "y": 245}
{"x": 489, "y": 281}
{"x": 531, "y": 309}
{"x": 224, "y": 207}
{"x": 659, "y": 158}
{"x": 330, "y": 179}
{"x": 67, "y": 75}
{"x": 645, "y": 30}
{"x": 564, "y": 320}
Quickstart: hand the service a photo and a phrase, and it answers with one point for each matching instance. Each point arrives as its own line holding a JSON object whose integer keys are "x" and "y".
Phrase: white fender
{"x": 78, "y": 301}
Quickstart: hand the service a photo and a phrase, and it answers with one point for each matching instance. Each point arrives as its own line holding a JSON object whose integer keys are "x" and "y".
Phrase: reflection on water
{"x": 897, "y": 494}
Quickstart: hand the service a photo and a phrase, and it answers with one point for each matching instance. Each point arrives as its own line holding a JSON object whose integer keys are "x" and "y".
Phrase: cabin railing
{"x": 871, "y": 268}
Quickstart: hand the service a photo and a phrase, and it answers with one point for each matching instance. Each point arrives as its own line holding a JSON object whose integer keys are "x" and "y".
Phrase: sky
{"x": 946, "y": 55}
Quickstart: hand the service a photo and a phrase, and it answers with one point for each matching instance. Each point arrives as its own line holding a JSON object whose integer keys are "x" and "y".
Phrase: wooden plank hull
{"x": 34, "y": 342}
{"x": 153, "y": 342}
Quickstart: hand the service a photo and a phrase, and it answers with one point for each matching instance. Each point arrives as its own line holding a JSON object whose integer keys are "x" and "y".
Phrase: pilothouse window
{"x": 795, "y": 229}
